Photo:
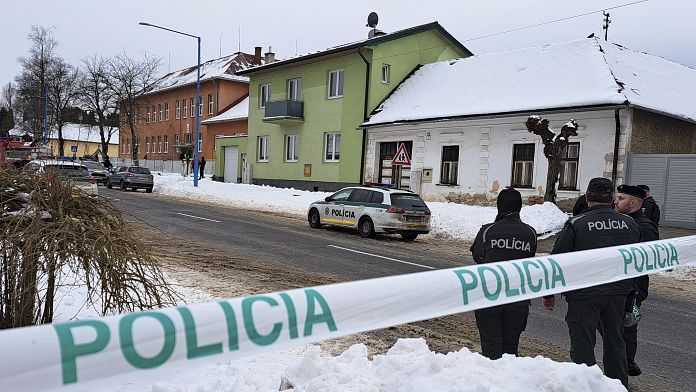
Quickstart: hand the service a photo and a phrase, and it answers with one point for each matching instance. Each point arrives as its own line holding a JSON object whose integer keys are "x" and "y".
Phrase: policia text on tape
{"x": 71, "y": 355}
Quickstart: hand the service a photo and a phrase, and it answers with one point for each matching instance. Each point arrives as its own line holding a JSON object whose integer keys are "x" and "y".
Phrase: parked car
{"x": 73, "y": 172}
{"x": 97, "y": 170}
{"x": 134, "y": 177}
{"x": 373, "y": 210}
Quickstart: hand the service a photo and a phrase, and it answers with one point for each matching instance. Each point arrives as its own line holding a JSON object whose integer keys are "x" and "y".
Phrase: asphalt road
{"x": 667, "y": 333}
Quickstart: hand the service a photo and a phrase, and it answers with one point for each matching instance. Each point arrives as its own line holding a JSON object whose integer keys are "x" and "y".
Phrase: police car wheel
{"x": 108, "y": 184}
{"x": 409, "y": 236}
{"x": 314, "y": 219}
{"x": 366, "y": 228}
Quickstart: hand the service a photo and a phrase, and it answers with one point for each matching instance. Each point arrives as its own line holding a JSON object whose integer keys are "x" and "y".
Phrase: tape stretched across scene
{"x": 71, "y": 355}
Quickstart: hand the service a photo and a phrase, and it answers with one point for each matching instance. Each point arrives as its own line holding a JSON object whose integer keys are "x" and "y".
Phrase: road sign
{"x": 401, "y": 157}
{"x": 73, "y": 148}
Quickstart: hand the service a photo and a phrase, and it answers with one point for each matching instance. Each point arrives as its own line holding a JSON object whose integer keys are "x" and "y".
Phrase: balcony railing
{"x": 284, "y": 111}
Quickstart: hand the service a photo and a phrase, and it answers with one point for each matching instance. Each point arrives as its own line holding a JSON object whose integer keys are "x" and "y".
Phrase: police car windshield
{"x": 93, "y": 165}
{"x": 407, "y": 200}
{"x": 139, "y": 170}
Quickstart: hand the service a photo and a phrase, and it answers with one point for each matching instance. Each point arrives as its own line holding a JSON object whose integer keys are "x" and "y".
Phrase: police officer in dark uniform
{"x": 629, "y": 200}
{"x": 508, "y": 238}
{"x": 650, "y": 207}
{"x": 601, "y": 306}
{"x": 580, "y": 205}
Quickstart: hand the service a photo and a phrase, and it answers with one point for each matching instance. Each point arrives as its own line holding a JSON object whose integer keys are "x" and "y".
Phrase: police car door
{"x": 353, "y": 208}
{"x": 332, "y": 213}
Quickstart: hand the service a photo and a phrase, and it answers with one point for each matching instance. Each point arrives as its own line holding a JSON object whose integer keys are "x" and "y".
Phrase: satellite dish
{"x": 372, "y": 19}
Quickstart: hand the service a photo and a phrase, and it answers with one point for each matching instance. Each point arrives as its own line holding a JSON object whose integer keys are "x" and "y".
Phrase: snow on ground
{"x": 449, "y": 220}
{"x": 682, "y": 273}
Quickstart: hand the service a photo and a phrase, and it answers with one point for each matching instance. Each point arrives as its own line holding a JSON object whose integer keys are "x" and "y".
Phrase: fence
{"x": 164, "y": 166}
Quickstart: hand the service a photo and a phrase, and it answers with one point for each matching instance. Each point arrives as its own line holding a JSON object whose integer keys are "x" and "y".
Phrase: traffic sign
{"x": 73, "y": 148}
{"x": 401, "y": 157}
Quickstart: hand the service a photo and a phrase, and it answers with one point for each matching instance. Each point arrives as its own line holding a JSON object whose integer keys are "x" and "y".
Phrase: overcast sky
{"x": 83, "y": 27}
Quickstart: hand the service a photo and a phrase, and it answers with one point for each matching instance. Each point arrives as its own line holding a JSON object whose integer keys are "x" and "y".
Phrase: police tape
{"x": 71, "y": 355}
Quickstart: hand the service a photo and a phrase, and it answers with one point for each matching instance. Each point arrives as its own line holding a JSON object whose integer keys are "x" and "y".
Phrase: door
{"x": 332, "y": 212}
{"x": 353, "y": 208}
{"x": 231, "y": 164}
{"x": 680, "y": 209}
{"x": 399, "y": 176}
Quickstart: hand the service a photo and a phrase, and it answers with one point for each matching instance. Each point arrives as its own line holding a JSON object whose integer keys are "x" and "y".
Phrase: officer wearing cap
{"x": 508, "y": 238}
{"x": 629, "y": 200}
{"x": 650, "y": 207}
{"x": 600, "y": 306}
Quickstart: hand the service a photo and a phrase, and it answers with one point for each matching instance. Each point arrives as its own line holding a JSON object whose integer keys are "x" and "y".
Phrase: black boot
{"x": 634, "y": 369}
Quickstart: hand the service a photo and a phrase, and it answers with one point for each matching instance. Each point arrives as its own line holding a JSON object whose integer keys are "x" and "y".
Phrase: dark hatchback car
{"x": 97, "y": 170}
{"x": 134, "y": 177}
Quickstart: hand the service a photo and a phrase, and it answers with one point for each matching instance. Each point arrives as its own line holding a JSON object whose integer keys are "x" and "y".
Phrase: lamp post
{"x": 198, "y": 97}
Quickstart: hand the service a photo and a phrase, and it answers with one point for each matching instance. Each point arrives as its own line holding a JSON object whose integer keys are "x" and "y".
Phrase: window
{"x": 200, "y": 106}
{"x": 137, "y": 144}
{"x": 178, "y": 109}
{"x": 342, "y": 195}
{"x": 333, "y": 146}
{"x": 385, "y": 73}
{"x": 570, "y": 156}
{"x": 160, "y": 112}
{"x": 159, "y": 144}
{"x": 336, "y": 83}
{"x": 166, "y": 144}
{"x": 176, "y": 139}
{"x": 193, "y": 107}
{"x": 361, "y": 196}
{"x": 294, "y": 87}
{"x": 147, "y": 144}
{"x": 291, "y": 148}
{"x": 449, "y": 171}
{"x": 263, "y": 149}
{"x": 187, "y": 139}
{"x": 264, "y": 94}
{"x": 200, "y": 142}
{"x": 522, "y": 165}
{"x": 149, "y": 118}
{"x": 211, "y": 103}
{"x": 185, "y": 101}
{"x": 154, "y": 113}
{"x": 166, "y": 111}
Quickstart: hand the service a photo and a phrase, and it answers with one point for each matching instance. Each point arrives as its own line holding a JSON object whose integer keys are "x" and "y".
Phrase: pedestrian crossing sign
{"x": 401, "y": 157}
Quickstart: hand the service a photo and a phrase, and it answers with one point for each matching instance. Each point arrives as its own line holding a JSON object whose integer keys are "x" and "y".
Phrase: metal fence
{"x": 164, "y": 166}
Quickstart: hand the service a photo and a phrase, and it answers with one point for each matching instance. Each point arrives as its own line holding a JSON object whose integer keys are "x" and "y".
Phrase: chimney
{"x": 257, "y": 55}
{"x": 269, "y": 56}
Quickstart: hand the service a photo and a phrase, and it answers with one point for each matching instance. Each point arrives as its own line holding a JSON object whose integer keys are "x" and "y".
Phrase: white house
{"x": 462, "y": 121}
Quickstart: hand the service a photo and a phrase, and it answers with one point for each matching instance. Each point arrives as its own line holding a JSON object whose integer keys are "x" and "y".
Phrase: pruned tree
{"x": 129, "y": 81}
{"x": 6, "y": 121}
{"x": 63, "y": 91}
{"x": 553, "y": 146}
{"x": 33, "y": 79}
{"x": 99, "y": 99}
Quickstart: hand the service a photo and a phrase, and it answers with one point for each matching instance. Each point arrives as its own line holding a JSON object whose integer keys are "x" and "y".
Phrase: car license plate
{"x": 413, "y": 218}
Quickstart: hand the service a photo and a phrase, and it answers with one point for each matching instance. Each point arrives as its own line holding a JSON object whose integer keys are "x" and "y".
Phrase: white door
{"x": 231, "y": 164}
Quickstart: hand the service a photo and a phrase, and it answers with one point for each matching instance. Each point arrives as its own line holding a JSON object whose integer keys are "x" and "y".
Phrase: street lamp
{"x": 198, "y": 97}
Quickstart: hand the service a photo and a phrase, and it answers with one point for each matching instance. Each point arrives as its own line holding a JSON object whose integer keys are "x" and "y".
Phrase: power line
{"x": 554, "y": 21}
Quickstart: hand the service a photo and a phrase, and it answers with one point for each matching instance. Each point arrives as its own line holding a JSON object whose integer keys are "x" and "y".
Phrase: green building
{"x": 304, "y": 112}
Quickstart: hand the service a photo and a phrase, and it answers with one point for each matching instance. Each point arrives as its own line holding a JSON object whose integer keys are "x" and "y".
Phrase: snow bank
{"x": 682, "y": 273}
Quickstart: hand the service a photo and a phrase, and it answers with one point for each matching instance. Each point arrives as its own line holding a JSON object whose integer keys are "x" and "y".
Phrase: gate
{"x": 672, "y": 182}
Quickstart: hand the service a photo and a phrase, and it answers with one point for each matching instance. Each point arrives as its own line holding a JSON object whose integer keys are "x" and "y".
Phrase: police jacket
{"x": 651, "y": 209}
{"x": 580, "y": 205}
{"x": 598, "y": 227}
{"x": 648, "y": 232}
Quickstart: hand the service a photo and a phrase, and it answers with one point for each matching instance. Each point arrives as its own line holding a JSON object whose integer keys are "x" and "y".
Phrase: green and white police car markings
{"x": 318, "y": 312}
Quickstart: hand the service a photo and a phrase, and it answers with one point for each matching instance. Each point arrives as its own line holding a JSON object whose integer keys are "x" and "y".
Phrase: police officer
{"x": 580, "y": 205}
{"x": 508, "y": 238}
{"x": 600, "y": 306}
{"x": 650, "y": 207}
{"x": 629, "y": 200}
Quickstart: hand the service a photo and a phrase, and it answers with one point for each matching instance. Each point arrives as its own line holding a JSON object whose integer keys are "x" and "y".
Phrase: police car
{"x": 373, "y": 210}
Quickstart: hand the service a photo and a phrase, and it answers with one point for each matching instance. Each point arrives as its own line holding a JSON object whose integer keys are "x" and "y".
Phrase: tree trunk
{"x": 134, "y": 144}
{"x": 47, "y": 317}
{"x": 552, "y": 178}
{"x": 61, "y": 141}
{"x": 27, "y": 289}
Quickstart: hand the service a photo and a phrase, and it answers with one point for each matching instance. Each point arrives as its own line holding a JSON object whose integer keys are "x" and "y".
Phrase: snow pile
{"x": 449, "y": 220}
{"x": 682, "y": 273}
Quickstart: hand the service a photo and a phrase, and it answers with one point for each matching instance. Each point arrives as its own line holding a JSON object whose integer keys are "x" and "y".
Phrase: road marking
{"x": 382, "y": 257}
{"x": 198, "y": 217}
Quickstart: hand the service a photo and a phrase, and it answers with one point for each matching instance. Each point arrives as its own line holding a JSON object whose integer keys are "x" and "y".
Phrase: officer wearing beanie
{"x": 629, "y": 201}
{"x": 600, "y": 306}
{"x": 508, "y": 238}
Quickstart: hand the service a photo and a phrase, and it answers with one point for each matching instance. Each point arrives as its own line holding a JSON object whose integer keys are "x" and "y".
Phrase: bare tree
{"x": 7, "y": 96}
{"x": 553, "y": 146}
{"x": 63, "y": 91}
{"x": 33, "y": 79}
{"x": 98, "y": 98}
{"x": 130, "y": 80}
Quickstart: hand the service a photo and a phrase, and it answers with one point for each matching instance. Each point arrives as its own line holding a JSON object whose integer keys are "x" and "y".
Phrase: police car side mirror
{"x": 327, "y": 198}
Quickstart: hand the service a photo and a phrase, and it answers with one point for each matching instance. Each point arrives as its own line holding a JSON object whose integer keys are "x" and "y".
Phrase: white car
{"x": 74, "y": 173}
{"x": 373, "y": 210}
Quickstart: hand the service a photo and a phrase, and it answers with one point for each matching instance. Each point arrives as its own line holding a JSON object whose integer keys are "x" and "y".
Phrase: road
{"x": 667, "y": 337}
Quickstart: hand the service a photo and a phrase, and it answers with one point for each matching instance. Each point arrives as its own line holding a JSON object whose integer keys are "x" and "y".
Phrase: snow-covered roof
{"x": 222, "y": 68}
{"x": 239, "y": 111}
{"x": 82, "y": 133}
{"x": 581, "y": 73}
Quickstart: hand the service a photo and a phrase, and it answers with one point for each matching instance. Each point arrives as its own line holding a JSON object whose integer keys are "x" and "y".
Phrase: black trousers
{"x": 500, "y": 328}
{"x": 630, "y": 337}
{"x": 584, "y": 318}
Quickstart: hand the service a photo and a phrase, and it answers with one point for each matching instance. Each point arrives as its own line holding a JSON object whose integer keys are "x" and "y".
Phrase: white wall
{"x": 485, "y": 151}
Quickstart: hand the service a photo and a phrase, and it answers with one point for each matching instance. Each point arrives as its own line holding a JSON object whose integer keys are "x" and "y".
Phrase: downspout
{"x": 617, "y": 137}
{"x": 364, "y": 131}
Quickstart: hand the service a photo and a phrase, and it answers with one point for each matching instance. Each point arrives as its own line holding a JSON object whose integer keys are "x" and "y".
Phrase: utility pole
{"x": 605, "y": 27}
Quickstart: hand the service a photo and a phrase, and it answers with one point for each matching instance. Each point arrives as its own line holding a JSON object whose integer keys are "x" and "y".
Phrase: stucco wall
{"x": 657, "y": 134}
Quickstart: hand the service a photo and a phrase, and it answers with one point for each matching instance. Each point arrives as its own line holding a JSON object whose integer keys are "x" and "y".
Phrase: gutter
{"x": 364, "y": 131}
{"x": 617, "y": 137}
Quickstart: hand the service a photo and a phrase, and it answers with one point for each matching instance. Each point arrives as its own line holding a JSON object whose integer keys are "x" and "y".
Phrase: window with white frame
{"x": 211, "y": 104}
{"x": 291, "y": 148}
{"x": 264, "y": 94}
{"x": 449, "y": 170}
{"x": 294, "y": 89}
{"x": 522, "y": 165}
{"x": 336, "y": 83}
{"x": 185, "y": 102}
{"x": 159, "y": 144}
{"x": 166, "y": 144}
{"x": 147, "y": 144}
{"x": 160, "y": 113}
{"x": 193, "y": 107}
{"x": 154, "y": 114}
{"x": 200, "y": 142}
{"x": 187, "y": 139}
{"x": 177, "y": 139}
{"x": 333, "y": 146}
{"x": 570, "y": 158}
{"x": 263, "y": 149}
{"x": 178, "y": 109}
{"x": 200, "y": 106}
{"x": 137, "y": 143}
{"x": 149, "y": 118}
{"x": 166, "y": 111}
{"x": 385, "y": 73}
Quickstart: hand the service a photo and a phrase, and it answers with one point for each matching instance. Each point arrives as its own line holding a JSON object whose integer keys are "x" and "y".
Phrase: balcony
{"x": 285, "y": 111}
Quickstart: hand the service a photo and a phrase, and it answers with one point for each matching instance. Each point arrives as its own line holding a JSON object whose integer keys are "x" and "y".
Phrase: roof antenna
{"x": 239, "y": 38}
{"x": 220, "y": 45}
